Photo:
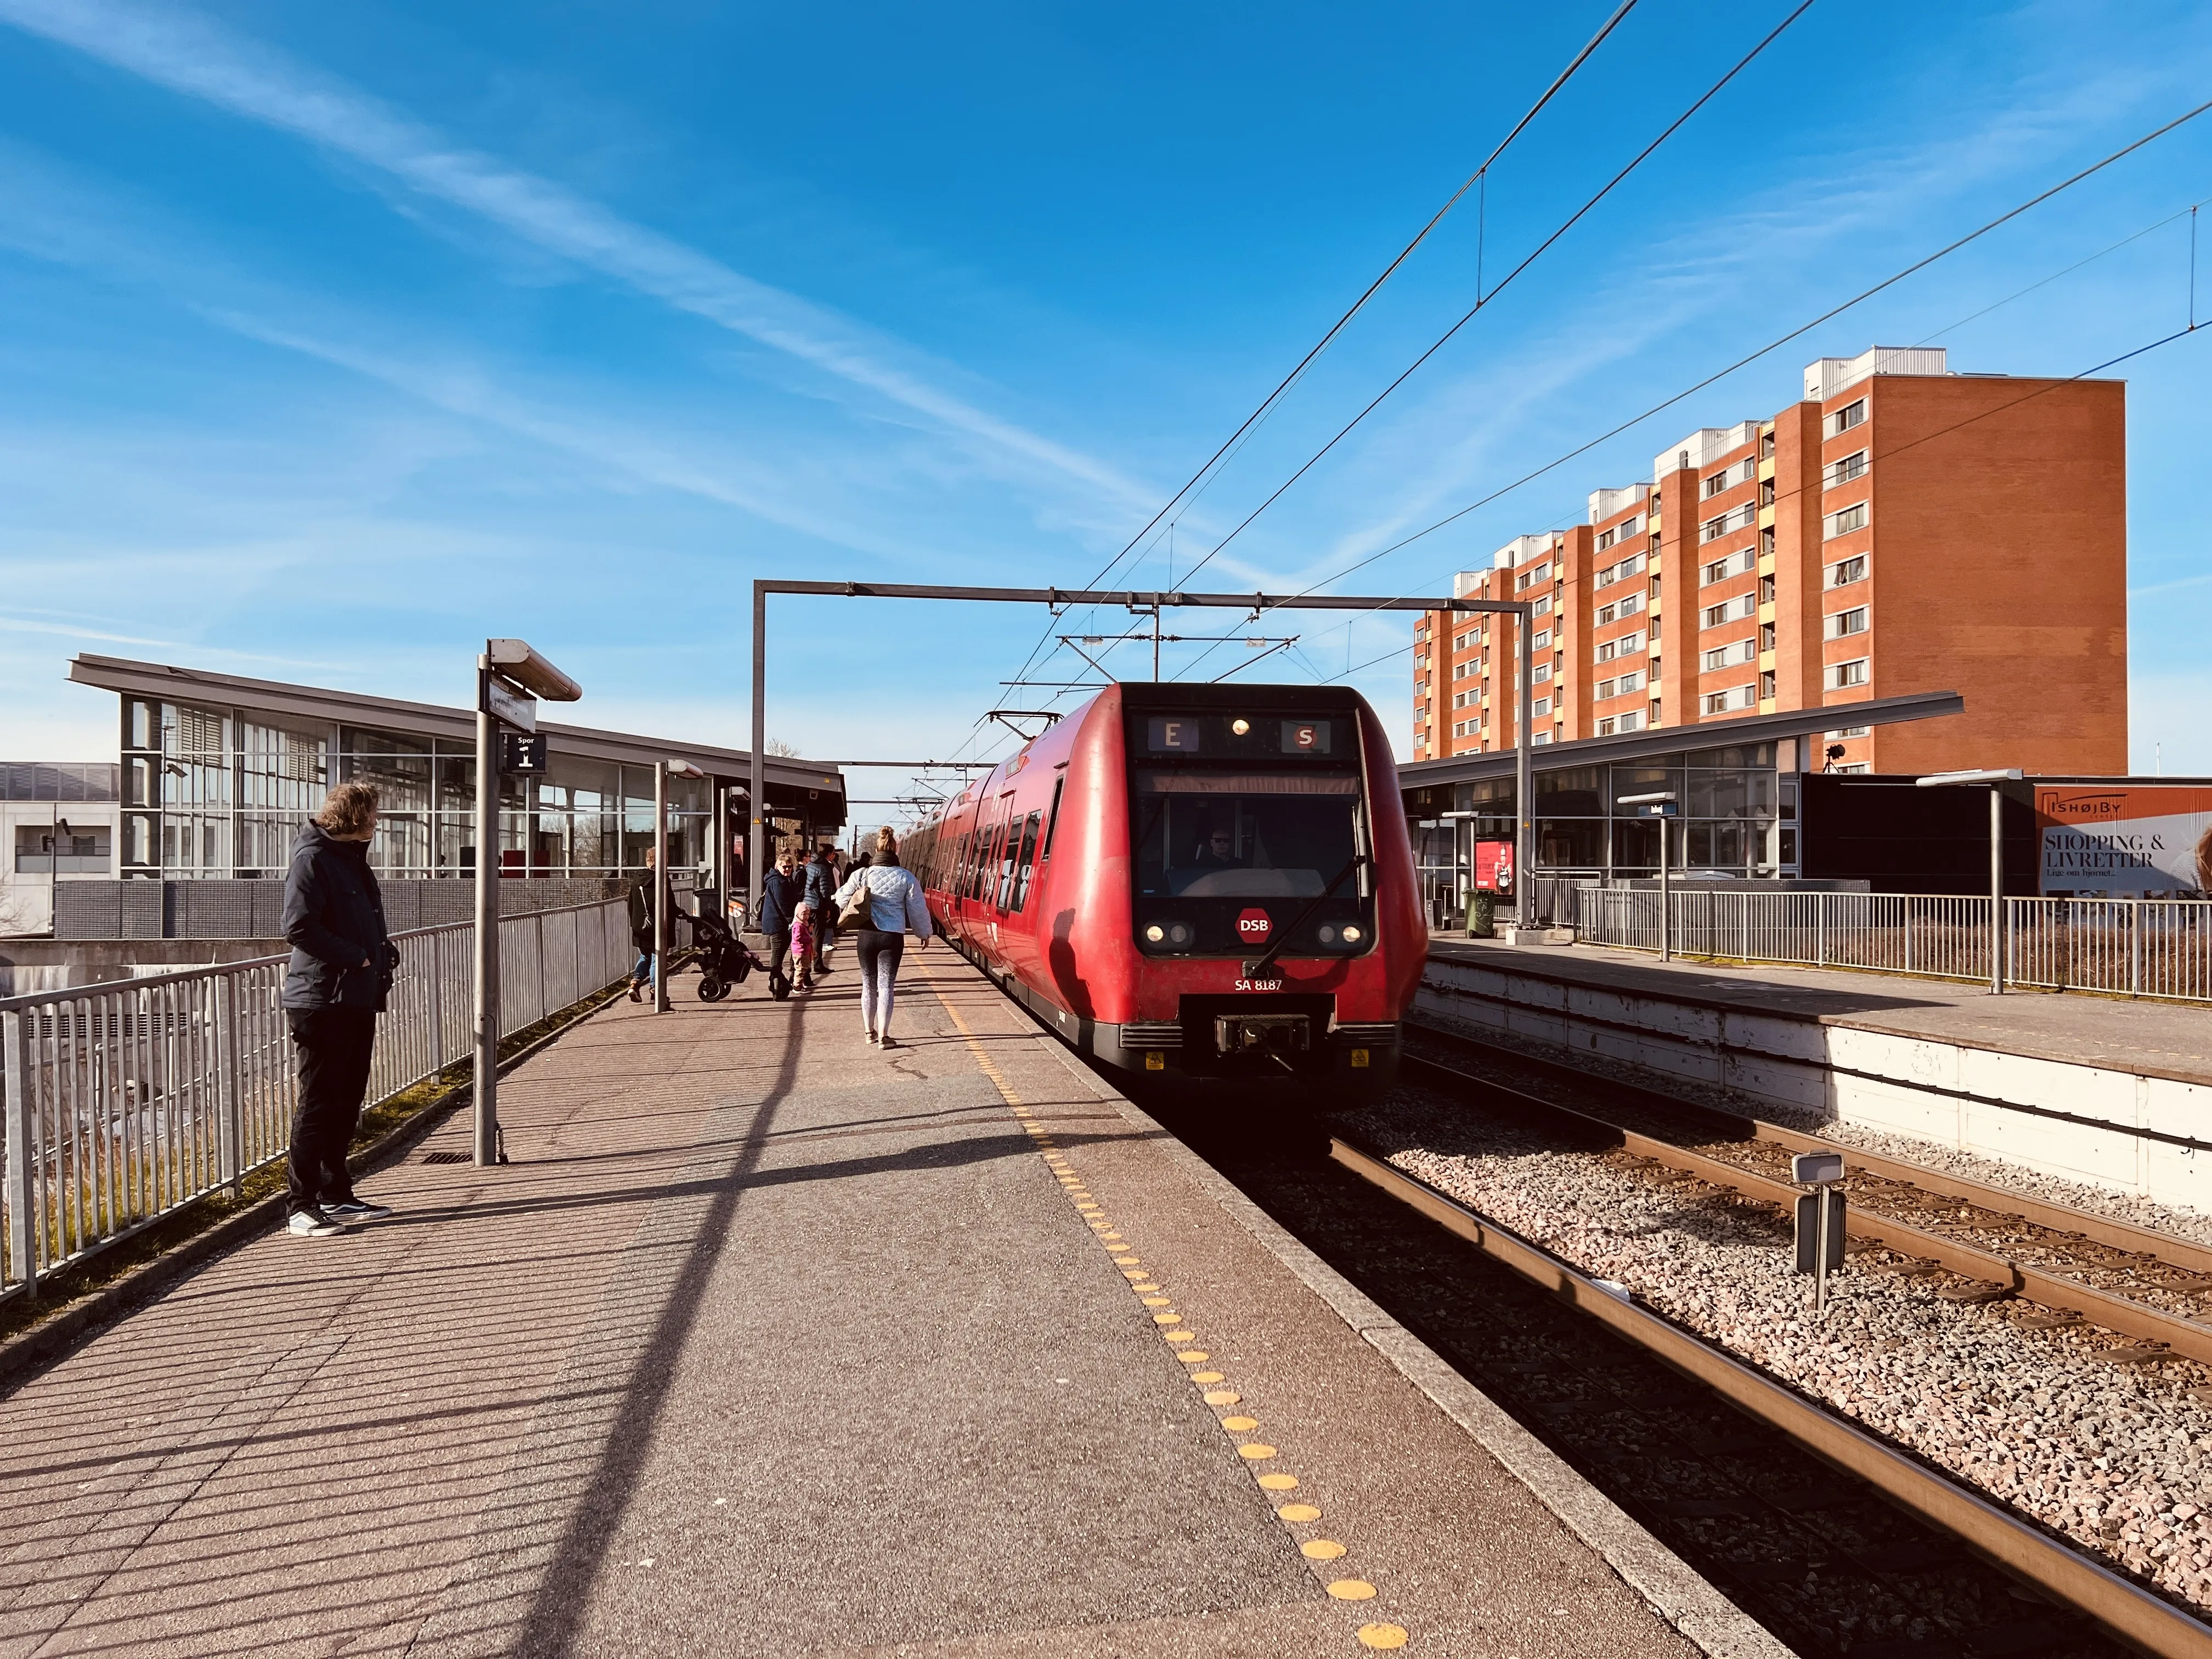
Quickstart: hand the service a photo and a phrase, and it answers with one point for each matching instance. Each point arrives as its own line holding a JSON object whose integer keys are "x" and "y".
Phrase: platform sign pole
{"x": 1660, "y": 803}
{"x": 1996, "y": 891}
{"x": 657, "y": 866}
{"x": 485, "y": 1038}
{"x": 757, "y": 808}
{"x": 510, "y": 677}
{"x": 1524, "y": 772}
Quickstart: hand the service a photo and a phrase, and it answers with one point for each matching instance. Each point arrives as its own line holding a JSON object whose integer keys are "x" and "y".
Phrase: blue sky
{"x": 332, "y": 340}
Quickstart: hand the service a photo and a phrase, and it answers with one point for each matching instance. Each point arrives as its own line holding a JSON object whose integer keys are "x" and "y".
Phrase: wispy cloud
{"x": 192, "y": 55}
{"x": 67, "y": 220}
{"x": 62, "y": 630}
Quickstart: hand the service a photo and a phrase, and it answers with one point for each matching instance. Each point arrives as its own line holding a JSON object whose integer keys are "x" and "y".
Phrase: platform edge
{"x": 1674, "y": 1590}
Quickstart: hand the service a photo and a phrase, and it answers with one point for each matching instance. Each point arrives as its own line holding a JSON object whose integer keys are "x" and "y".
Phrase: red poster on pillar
{"x": 1493, "y": 865}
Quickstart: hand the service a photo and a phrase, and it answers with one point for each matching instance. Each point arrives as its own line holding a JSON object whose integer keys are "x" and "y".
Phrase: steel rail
{"x": 2130, "y": 1612}
{"x": 2050, "y": 1290}
{"x": 2170, "y": 1247}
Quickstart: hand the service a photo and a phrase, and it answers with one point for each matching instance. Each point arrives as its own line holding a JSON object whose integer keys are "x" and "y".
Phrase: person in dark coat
{"x": 335, "y": 985}
{"x": 641, "y": 924}
{"x": 822, "y": 881}
{"x": 783, "y": 891}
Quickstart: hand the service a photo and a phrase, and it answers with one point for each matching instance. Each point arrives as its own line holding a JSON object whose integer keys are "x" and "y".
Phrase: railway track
{"x": 2153, "y": 1286}
{"x": 1828, "y": 1560}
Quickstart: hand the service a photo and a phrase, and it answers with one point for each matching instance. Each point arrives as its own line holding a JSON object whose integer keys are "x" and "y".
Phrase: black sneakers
{"x": 356, "y": 1209}
{"x": 313, "y": 1224}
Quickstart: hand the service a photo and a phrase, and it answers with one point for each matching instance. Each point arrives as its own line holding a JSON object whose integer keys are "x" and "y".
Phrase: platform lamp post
{"x": 1662, "y": 804}
{"x": 1996, "y": 778}
{"x": 510, "y": 678}
{"x": 661, "y": 895}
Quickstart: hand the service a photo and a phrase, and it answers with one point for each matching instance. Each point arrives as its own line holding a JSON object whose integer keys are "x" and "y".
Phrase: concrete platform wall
{"x": 2129, "y": 1132}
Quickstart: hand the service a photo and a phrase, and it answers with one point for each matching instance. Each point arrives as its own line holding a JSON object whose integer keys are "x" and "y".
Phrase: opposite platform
{"x": 771, "y": 1343}
{"x": 2171, "y": 1040}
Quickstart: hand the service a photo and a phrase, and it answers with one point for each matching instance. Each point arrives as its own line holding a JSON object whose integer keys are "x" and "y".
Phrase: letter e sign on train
{"x": 1254, "y": 926}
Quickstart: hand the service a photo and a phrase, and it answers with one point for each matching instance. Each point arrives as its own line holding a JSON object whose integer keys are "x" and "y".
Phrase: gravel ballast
{"x": 2116, "y": 1456}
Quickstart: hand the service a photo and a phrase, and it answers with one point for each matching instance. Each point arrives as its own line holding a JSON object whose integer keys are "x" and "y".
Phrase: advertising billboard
{"x": 1493, "y": 865}
{"x": 2124, "y": 840}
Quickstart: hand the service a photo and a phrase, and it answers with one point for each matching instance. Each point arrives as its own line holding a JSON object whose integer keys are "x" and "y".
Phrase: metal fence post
{"x": 2135, "y": 947}
{"x": 21, "y": 1188}
{"x": 1821, "y": 928}
{"x": 231, "y": 1149}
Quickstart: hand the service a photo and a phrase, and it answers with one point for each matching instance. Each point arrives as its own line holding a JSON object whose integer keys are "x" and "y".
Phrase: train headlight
{"x": 1240, "y": 727}
{"x": 1155, "y": 933}
{"x": 1179, "y": 933}
{"x": 1350, "y": 935}
{"x": 1327, "y": 934}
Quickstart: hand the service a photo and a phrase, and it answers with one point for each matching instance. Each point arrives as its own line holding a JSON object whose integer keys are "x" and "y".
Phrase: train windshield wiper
{"x": 1259, "y": 969}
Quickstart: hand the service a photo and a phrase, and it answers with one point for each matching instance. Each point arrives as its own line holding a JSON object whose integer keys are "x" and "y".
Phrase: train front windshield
{"x": 1238, "y": 835}
{"x": 1244, "y": 828}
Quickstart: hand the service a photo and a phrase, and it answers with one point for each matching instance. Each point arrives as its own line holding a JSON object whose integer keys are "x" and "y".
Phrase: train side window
{"x": 1010, "y": 844}
{"x": 979, "y": 848}
{"x": 1028, "y": 859}
{"x": 1052, "y": 818}
{"x": 989, "y": 877}
{"x": 977, "y": 861}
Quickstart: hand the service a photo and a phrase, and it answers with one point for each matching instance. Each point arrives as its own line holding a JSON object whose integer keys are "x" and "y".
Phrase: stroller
{"x": 724, "y": 961}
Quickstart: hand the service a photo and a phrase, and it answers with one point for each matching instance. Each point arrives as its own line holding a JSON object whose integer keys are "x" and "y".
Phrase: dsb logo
{"x": 1254, "y": 924}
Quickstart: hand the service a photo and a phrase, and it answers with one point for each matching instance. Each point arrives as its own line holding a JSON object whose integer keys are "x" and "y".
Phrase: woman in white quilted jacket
{"x": 893, "y": 907}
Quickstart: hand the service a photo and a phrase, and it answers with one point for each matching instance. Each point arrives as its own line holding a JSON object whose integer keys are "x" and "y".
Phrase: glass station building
{"x": 217, "y": 772}
{"x": 1738, "y": 815}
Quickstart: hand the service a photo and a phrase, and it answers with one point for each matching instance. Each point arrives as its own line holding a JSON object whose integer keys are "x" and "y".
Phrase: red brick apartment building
{"x": 1902, "y": 529}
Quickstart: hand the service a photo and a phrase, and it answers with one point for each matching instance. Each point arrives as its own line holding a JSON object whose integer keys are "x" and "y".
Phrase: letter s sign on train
{"x": 1254, "y": 926}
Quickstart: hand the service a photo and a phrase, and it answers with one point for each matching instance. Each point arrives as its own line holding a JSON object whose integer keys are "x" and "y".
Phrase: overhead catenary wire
{"x": 1483, "y": 299}
{"x": 1772, "y": 346}
{"x": 1282, "y": 387}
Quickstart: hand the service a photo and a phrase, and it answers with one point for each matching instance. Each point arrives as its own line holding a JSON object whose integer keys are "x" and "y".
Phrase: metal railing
{"x": 2158, "y": 948}
{"x": 127, "y": 1101}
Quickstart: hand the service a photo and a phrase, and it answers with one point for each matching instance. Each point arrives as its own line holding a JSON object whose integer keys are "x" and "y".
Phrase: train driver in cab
{"x": 1218, "y": 851}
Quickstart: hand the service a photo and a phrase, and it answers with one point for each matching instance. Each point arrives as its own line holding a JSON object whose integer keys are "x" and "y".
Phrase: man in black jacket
{"x": 334, "y": 987}
{"x": 641, "y": 924}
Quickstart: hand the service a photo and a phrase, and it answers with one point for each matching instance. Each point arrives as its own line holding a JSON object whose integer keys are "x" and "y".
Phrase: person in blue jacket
{"x": 821, "y": 888}
{"x": 335, "y": 985}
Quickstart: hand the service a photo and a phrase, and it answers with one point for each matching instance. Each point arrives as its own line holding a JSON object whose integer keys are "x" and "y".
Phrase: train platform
{"x": 768, "y": 1342}
{"x": 2107, "y": 1097}
{"x": 2160, "y": 1039}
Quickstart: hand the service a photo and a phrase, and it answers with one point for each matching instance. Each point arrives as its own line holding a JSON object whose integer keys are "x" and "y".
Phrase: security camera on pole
{"x": 510, "y": 678}
{"x": 665, "y": 770}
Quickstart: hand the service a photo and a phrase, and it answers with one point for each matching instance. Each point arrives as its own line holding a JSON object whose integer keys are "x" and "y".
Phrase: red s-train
{"x": 1208, "y": 881}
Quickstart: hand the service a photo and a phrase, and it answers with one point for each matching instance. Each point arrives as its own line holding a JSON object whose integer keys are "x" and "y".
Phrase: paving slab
{"x": 768, "y": 1342}
{"x": 2153, "y": 1039}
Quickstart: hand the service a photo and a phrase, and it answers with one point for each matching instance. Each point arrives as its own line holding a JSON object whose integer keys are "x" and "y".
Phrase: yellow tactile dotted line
{"x": 1146, "y": 1285}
